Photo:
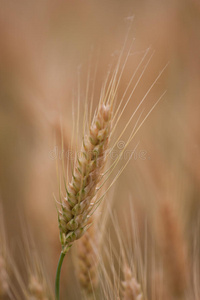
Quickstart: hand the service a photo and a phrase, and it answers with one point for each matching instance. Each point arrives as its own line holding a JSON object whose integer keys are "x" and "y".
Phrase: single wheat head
{"x": 36, "y": 289}
{"x": 131, "y": 288}
{"x": 87, "y": 261}
{"x": 88, "y": 174}
{"x": 90, "y": 162}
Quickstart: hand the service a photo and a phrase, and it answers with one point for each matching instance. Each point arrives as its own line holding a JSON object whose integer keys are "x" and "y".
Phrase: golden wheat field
{"x": 99, "y": 150}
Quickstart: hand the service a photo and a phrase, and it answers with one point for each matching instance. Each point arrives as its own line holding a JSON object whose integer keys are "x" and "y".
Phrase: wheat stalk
{"x": 77, "y": 207}
{"x": 81, "y": 201}
{"x": 174, "y": 252}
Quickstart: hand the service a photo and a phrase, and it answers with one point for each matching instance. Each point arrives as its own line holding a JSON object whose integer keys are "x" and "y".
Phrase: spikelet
{"x": 87, "y": 265}
{"x": 36, "y": 290}
{"x": 132, "y": 289}
{"x": 174, "y": 252}
{"x": 73, "y": 217}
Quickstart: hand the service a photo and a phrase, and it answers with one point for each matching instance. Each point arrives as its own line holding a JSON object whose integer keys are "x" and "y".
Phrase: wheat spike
{"x": 36, "y": 290}
{"x": 132, "y": 289}
{"x": 88, "y": 168}
{"x": 88, "y": 261}
{"x": 73, "y": 218}
{"x": 33, "y": 284}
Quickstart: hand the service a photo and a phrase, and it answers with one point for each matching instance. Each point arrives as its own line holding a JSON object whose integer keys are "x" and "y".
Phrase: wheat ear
{"x": 75, "y": 209}
{"x": 36, "y": 289}
{"x": 132, "y": 289}
{"x": 33, "y": 284}
{"x": 87, "y": 257}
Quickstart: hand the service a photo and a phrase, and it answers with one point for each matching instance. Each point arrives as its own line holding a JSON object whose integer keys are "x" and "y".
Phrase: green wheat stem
{"x": 57, "y": 281}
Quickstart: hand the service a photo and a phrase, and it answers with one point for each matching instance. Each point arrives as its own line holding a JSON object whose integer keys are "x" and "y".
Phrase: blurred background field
{"x": 43, "y": 46}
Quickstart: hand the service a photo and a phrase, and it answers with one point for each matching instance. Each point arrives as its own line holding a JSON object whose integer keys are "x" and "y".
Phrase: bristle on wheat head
{"x": 87, "y": 172}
